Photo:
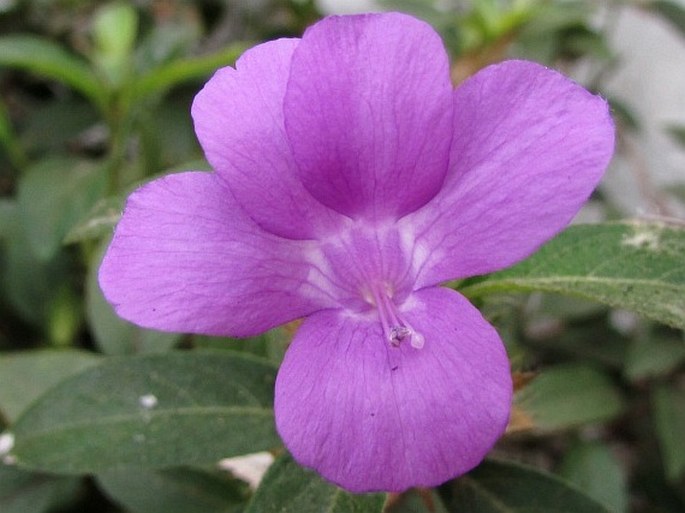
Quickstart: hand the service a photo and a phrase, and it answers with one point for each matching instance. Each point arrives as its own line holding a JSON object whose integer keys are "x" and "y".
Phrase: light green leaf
{"x": 25, "y": 376}
{"x": 113, "y": 335}
{"x": 503, "y": 487}
{"x": 669, "y": 417}
{"x": 115, "y": 27}
{"x": 151, "y": 411}
{"x": 182, "y": 490}
{"x": 28, "y": 492}
{"x": 568, "y": 396}
{"x": 593, "y": 468}
{"x": 289, "y": 488}
{"x": 43, "y": 57}
{"x": 636, "y": 265}
{"x": 53, "y": 195}
{"x": 163, "y": 77}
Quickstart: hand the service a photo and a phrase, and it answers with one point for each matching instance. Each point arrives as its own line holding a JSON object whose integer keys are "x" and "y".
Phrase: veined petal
{"x": 186, "y": 258}
{"x": 239, "y": 122}
{"x": 370, "y": 416}
{"x": 529, "y": 147}
{"x": 368, "y": 112}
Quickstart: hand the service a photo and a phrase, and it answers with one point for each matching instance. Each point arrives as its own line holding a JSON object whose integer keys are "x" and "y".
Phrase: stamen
{"x": 395, "y": 328}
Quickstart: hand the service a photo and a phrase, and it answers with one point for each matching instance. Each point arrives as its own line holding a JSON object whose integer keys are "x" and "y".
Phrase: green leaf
{"x": 98, "y": 222}
{"x": 671, "y": 12}
{"x": 503, "y": 487}
{"x": 678, "y": 133}
{"x": 25, "y": 376}
{"x": 115, "y": 27}
{"x": 30, "y": 285}
{"x": 151, "y": 411}
{"x": 29, "y": 492}
{"x": 182, "y": 490}
{"x": 43, "y": 57}
{"x": 636, "y": 265}
{"x": 669, "y": 417}
{"x": 424, "y": 500}
{"x": 162, "y": 78}
{"x": 113, "y": 335}
{"x": 592, "y": 467}
{"x": 568, "y": 396}
{"x": 289, "y": 488}
{"x": 9, "y": 140}
{"x": 653, "y": 355}
{"x": 53, "y": 195}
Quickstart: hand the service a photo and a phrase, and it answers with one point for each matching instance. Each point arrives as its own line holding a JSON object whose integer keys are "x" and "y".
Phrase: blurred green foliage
{"x": 94, "y": 99}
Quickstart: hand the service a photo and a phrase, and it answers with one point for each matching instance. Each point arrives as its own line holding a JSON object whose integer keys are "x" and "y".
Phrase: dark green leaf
{"x": 568, "y": 396}
{"x": 9, "y": 141}
{"x": 151, "y": 411}
{"x": 499, "y": 487}
{"x": 424, "y": 500}
{"x": 46, "y": 58}
{"x": 592, "y": 467}
{"x": 174, "y": 491}
{"x": 113, "y": 334}
{"x": 28, "y": 492}
{"x": 669, "y": 416}
{"x": 637, "y": 265}
{"x": 25, "y": 376}
{"x": 53, "y": 196}
{"x": 289, "y": 488}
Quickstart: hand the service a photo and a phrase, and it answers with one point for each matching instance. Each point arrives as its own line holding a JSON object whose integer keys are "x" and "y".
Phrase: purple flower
{"x": 351, "y": 179}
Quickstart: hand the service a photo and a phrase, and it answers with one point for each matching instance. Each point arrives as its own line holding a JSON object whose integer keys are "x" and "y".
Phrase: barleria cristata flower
{"x": 351, "y": 179}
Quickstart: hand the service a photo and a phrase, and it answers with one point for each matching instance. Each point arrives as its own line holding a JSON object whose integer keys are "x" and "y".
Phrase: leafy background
{"x": 101, "y": 416}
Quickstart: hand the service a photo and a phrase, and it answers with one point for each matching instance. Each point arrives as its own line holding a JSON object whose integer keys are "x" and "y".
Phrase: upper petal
{"x": 368, "y": 112}
{"x": 239, "y": 122}
{"x": 529, "y": 147}
{"x": 369, "y": 416}
{"x": 185, "y": 258}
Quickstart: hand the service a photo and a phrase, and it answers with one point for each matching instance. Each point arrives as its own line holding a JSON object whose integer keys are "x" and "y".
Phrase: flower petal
{"x": 186, "y": 258}
{"x": 369, "y": 416}
{"x": 368, "y": 112}
{"x": 239, "y": 121}
{"x": 529, "y": 147}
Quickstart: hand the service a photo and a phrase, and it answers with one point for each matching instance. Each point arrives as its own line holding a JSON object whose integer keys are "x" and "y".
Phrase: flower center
{"x": 395, "y": 327}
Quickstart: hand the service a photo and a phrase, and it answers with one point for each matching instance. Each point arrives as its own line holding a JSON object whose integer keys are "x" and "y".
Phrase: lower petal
{"x": 369, "y": 416}
{"x": 186, "y": 258}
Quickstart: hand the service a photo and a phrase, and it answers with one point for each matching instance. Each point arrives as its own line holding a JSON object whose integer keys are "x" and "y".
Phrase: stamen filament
{"x": 395, "y": 327}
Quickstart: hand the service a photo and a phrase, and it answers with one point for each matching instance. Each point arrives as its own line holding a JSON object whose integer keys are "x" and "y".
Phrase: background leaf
{"x": 151, "y": 411}
{"x": 53, "y": 196}
{"x": 592, "y": 467}
{"x": 289, "y": 488}
{"x": 29, "y": 492}
{"x": 498, "y": 487}
{"x": 568, "y": 396}
{"x": 25, "y": 376}
{"x": 669, "y": 416}
{"x": 182, "y": 490}
{"x": 46, "y": 58}
{"x": 637, "y": 265}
